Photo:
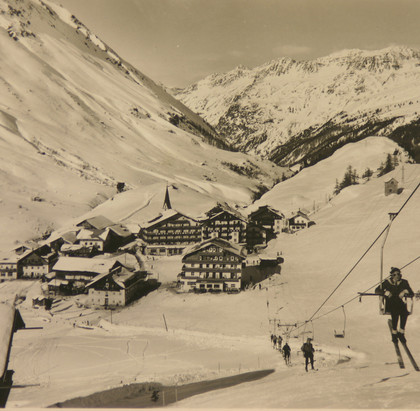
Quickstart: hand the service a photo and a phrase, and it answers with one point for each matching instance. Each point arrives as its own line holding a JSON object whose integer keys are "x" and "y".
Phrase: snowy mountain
{"x": 76, "y": 119}
{"x": 302, "y": 111}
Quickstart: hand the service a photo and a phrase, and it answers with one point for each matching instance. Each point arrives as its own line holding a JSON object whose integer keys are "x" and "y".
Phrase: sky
{"x": 178, "y": 42}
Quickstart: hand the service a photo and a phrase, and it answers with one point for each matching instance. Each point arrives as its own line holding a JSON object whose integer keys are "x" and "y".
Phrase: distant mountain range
{"x": 301, "y": 111}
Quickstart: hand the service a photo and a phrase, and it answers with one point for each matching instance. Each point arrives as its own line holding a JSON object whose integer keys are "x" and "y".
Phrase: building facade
{"x": 37, "y": 266}
{"x": 226, "y": 225}
{"x": 116, "y": 288}
{"x": 8, "y": 268}
{"x": 213, "y": 265}
{"x": 170, "y": 233}
{"x": 299, "y": 222}
{"x": 268, "y": 218}
{"x": 391, "y": 187}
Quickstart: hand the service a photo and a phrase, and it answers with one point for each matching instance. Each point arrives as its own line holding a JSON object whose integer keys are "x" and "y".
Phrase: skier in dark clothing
{"x": 308, "y": 352}
{"x": 395, "y": 289}
{"x": 286, "y": 353}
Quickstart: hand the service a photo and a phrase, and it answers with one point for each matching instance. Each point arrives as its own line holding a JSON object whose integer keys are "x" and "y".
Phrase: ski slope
{"x": 178, "y": 338}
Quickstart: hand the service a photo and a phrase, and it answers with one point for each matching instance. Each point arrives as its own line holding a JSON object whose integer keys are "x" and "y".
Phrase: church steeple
{"x": 167, "y": 201}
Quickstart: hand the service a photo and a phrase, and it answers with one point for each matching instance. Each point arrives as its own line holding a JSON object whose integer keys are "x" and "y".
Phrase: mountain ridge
{"x": 278, "y": 108}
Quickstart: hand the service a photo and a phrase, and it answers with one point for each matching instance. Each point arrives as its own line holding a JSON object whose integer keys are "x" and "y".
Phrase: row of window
{"x": 213, "y": 265}
{"x": 6, "y": 274}
{"x": 218, "y": 275}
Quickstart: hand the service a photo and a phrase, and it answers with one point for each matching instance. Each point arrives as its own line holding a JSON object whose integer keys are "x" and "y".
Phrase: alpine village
{"x": 220, "y": 251}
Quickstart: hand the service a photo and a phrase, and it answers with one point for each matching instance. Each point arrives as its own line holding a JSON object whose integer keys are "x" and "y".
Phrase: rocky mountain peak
{"x": 292, "y": 111}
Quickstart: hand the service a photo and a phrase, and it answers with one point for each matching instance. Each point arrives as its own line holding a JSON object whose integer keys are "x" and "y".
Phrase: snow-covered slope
{"x": 75, "y": 119}
{"x": 301, "y": 111}
{"x": 210, "y": 336}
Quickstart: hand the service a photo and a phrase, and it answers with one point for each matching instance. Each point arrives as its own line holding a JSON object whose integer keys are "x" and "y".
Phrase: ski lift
{"x": 382, "y": 298}
{"x": 304, "y": 332}
{"x": 341, "y": 335}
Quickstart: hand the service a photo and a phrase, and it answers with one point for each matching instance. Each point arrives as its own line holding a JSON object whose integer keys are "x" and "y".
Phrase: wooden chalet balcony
{"x": 212, "y": 270}
{"x": 217, "y": 280}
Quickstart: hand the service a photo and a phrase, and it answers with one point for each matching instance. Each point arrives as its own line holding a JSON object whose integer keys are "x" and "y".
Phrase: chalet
{"x": 36, "y": 264}
{"x": 95, "y": 223}
{"x": 9, "y": 267}
{"x": 73, "y": 273}
{"x": 116, "y": 288}
{"x": 268, "y": 218}
{"x": 298, "y": 222}
{"x": 212, "y": 265}
{"x": 170, "y": 233}
{"x": 92, "y": 238}
{"x": 391, "y": 187}
{"x": 226, "y": 224}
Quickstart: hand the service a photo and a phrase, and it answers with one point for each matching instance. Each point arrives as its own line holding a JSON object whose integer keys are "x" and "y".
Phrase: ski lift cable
{"x": 357, "y": 296}
{"x": 411, "y": 262}
{"x": 360, "y": 259}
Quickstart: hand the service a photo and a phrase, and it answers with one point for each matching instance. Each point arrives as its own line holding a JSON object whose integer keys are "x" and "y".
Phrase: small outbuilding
{"x": 391, "y": 187}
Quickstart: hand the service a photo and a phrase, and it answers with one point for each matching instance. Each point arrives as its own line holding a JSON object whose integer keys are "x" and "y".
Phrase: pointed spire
{"x": 167, "y": 201}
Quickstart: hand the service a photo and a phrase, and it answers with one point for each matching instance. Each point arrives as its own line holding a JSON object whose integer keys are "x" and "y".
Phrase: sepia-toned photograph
{"x": 210, "y": 204}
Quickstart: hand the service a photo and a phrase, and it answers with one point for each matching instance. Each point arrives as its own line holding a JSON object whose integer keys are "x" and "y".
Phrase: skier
{"x": 286, "y": 353}
{"x": 279, "y": 341}
{"x": 395, "y": 289}
{"x": 308, "y": 352}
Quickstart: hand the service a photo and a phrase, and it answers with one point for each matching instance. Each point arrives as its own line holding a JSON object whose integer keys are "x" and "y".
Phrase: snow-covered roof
{"x": 165, "y": 215}
{"x": 133, "y": 227}
{"x": 10, "y": 258}
{"x": 119, "y": 277}
{"x": 86, "y": 234}
{"x": 233, "y": 248}
{"x": 95, "y": 265}
{"x": 71, "y": 247}
{"x": 99, "y": 222}
{"x": 231, "y": 212}
{"x": 120, "y": 230}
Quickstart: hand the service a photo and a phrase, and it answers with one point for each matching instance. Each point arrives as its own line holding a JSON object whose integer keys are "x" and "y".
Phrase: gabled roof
{"x": 93, "y": 265}
{"x": 120, "y": 230}
{"x": 86, "y": 234}
{"x": 219, "y": 242}
{"x": 10, "y": 258}
{"x": 391, "y": 180}
{"x": 222, "y": 208}
{"x": 120, "y": 277}
{"x": 99, "y": 222}
{"x": 233, "y": 213}
{"x": 263, "y": 208}
{"x": 299, "y": 214}
{"x": 165, "y": 216}
{"x": 69, "y": 237}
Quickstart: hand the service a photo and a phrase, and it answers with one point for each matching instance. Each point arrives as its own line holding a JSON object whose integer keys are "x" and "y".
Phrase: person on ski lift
{"x": 308, "y": 352}
{"x": 395, "y": 288}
